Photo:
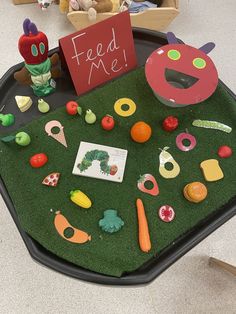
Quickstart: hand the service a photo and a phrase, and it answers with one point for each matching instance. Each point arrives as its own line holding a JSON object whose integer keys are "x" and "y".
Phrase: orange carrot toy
{"x": 144, "y": 238}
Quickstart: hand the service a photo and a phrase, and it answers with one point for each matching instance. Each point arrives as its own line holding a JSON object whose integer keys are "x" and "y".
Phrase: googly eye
{"x": 34, "y": 50}
{"x": 199, "y": 63}
{"x": 42, "y": 48}
{"x": 173, "y": 54}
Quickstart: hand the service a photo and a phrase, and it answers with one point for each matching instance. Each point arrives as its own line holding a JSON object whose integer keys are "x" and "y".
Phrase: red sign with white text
{"x": 100, "y": 52}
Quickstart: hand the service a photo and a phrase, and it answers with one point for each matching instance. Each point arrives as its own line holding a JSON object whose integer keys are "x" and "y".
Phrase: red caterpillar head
{"x": 33, "y": 45}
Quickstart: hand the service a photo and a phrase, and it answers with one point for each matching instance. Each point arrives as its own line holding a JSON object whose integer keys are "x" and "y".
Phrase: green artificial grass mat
{"x": 115, "y": 254}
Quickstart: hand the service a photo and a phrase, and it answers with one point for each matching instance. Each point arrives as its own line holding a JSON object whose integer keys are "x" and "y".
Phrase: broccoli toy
{"x": 111, "y": 222}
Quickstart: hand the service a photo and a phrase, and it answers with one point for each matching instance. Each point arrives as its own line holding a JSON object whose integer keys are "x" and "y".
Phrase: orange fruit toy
{"x": 141, "y": 132}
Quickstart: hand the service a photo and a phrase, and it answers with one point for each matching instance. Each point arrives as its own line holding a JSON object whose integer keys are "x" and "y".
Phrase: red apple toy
{"x": 225, "y": 151}
{"x": 71, "y": 108}
{"x": 108, "y": 122}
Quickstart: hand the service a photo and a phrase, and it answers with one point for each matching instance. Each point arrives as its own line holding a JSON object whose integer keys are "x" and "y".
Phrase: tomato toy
{"x": 71, "y": 108}
{"x": 38, "y": 160}
{"x": 170, "y": 123}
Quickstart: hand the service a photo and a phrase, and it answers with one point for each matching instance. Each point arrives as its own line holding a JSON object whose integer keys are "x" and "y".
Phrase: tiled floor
{"x": 190, "y": 285}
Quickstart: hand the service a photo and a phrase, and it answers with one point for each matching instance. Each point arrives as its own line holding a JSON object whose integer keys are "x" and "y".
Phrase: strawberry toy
{"x": 141, "y": 184}
{"x": 170, "y": 123}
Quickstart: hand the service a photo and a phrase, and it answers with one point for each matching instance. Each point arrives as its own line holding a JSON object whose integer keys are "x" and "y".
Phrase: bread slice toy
{"x": 211, "y": 170}
{"x": 195, "y": 192}
{"x": 23, "y": 102}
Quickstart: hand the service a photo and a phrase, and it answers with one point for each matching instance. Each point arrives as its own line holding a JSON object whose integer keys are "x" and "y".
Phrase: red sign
{"x": 100, "y": 52}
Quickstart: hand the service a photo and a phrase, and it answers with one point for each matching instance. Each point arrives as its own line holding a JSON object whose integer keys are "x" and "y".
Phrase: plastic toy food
{"x": 43, "y": 106}
{"x": 118, "y": 107}
{"x": 195, "y": 192}
{"x": 144, "y": 237}
{"x": 22, "y": 139}
{"x": 145, "y": 178}
{"x": 23, "y": 102}
{"x": 180, "y": 74}
{"x": 68, "y": 232}
{"x": 90, "y": 117}
{"x": 71, "y": 108}
{"x": 170, "y": 123}
{"x": 51, "y": 179}
{"x": 80, "y": 199}
{"x": 211, "y": 170}
{"x": 111, "y": 222}
{"x": 60, "y": 136}
{"x": 7, "y": 119}
{"x": 38, "y": 160}
{"x": 185, "y": 136}
{"x": 225, "y": 151}
{"x": 38, "y": 69}
{"x": 212, "y": 125}
{"x": 164, "y": 158}
{"x": 108, "y": 122}
{"x": 140, "y": 132}
{"x": 166, "y": 213}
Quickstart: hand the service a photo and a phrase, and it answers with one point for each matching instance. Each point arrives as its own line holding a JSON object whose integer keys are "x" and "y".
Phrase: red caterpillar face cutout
{"x": 180, "y": 73}
{"x": 33, "y": 45}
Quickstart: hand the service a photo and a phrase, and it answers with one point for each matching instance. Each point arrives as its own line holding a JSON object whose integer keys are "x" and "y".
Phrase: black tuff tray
{"x": 145, "y": 42}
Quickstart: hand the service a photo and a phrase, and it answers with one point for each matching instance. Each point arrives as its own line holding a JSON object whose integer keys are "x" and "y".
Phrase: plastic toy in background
{"x": 68, "y": 232}
{"x": 141, "y": 184}
{"x": 143, "y": 230}
{"x": 43, "y": 106}
{"x": 140, "y": 6}
{"x": 211, "y": 170}
{"x": 111, "y": 222}
{"x": 91, "y": 6}
{"x": 212, "y": 125}
{"x": 164, "y": 158}
{"x": 60, "y": 136}
{"x": 185, "y": 136}
{"x": 108, "y": 122}
{"x": 7, "y": 119}
{"x": 51, "y": 179}
{"x": 80, "y": 199}
{"x": 122, "y": 102}
{"x": 141, "y": 132}
{"x": 166, "y": 213}
{"x": 39, "y": 70}
{"x": 90, "y": 117}
{"x": 44, "y": 4}
{"x": 195, "y": 192}
{"x": 170, "y": 123}
{"x": 72, "y": 108}
{"x": 225, "y": 151}
{"x": 21, "y": 138}
{"x": 23, "y": 102}
{"x": 38, "y": 160}
{"x": 181, "y": 75}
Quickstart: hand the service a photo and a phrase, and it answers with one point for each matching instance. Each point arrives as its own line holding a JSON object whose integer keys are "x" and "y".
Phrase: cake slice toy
{"x": 23, "y": 102}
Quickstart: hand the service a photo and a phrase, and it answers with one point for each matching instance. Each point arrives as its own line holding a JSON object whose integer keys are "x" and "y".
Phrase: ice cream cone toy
{"x": 60, "y": 136}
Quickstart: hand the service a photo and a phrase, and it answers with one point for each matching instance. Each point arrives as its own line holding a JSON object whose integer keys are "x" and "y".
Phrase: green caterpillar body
{"x": 101, "y": 156}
